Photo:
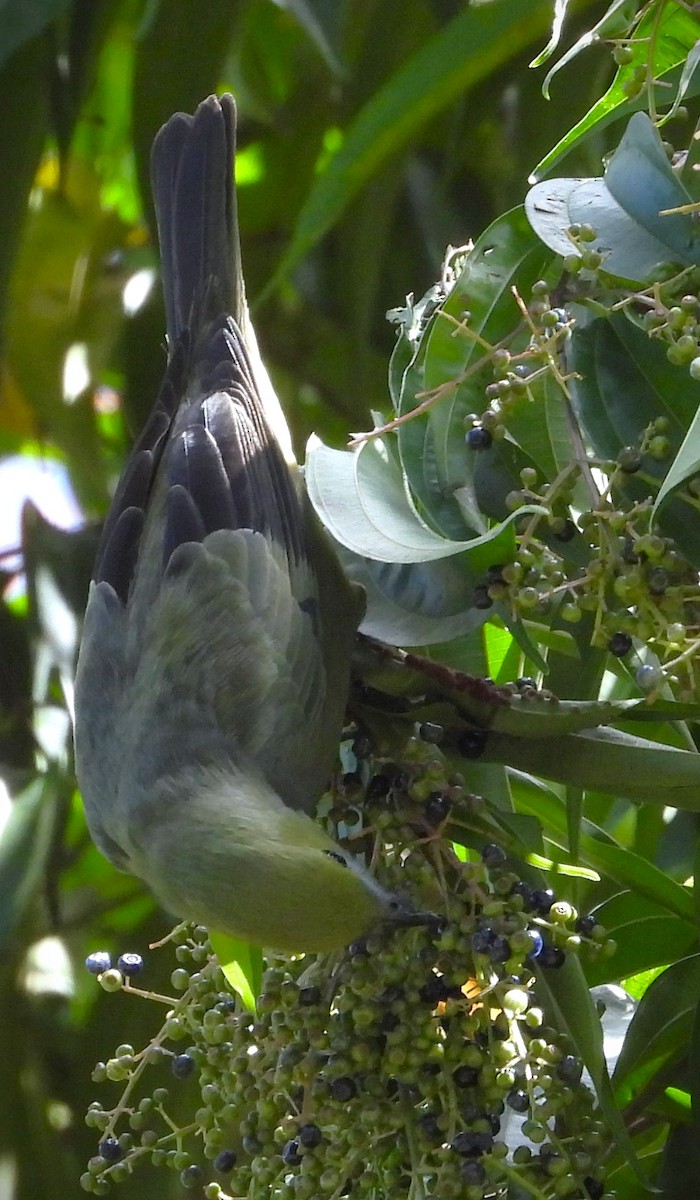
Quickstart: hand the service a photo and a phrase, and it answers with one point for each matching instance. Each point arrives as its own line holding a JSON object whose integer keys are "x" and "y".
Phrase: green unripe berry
{"x": 659, "y": 448}
{"x": 528, "y": 597}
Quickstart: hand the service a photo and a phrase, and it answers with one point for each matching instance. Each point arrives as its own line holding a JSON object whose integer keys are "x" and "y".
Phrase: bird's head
{"x": 249, "y": 866}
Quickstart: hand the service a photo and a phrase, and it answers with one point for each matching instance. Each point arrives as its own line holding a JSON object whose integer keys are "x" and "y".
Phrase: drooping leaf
{"x": 624, "y": 208}
{"x": 362, "y": 499}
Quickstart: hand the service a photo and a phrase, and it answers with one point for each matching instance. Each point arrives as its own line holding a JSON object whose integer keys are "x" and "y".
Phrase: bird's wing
{"x": 205, "y": 586}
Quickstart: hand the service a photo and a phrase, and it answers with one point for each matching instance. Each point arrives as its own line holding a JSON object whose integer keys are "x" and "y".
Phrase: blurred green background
{"x": 372, "y": 134}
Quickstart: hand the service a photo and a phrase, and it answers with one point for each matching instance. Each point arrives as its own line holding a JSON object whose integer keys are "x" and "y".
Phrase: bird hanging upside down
{"x": 214, "y": 665}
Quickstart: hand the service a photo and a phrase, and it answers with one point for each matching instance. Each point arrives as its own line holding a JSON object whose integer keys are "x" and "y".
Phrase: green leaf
{"x": 598, "y": 850}
{"x": 673, "y": 36}
{"x": 662, "y": 1025}
{"x": 623, "y": 207}
{"x": 647, "y": 936}
{"x": 25, "y": 849}
{"x": 606, "y": 760}
{"x": 460, "y": 54}
{"x": 569, "y": 1006}
{"x": 685, "y": 464}
{"x": 417, "y": 604}
{"x": 626, "y": 383}
{"x": 242, "y": 965}
{"x": 362, "y": 500}
{"x": 506, "y": 254}
{"x": 615, "y": 21}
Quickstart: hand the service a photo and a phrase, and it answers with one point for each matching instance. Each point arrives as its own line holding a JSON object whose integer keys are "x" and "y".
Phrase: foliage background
{"x": 440, "y": 120}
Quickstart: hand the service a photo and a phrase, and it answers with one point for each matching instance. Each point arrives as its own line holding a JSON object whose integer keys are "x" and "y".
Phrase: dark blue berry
{"x": 594, "y": 1187}
{"x": 493, "y": 855}
{"x": 110, "y": 1150}
{"x": 521, "y": 888}
{"x": 182, "y": 1065}
{"x": 482, "y": 940}
{"x": 472, "y": 1171}
{"x": 98, "y": 961}
{"x": 481, "y": 597}
{"x": 537, "y": 942}
{"x": 290, "y": 1154}
{"x": 429, "y": 1127}
{"x": 130, "y": 964}
{"x": 518, "y": 1100}
{"x": 472, "y": 1143}
{"x": 436, "y": 990}
{"x": 378, "y": 787}
{"x": 471, "y": 743}
{"x": 343, "y": 1089}
{"x": 585, "y": 924}
{"x": 542, "y": 901}
{"x": 494, "y": 574}
{"x": 310, "y": 1136}
{"x": 309, "y": 996}
{"x": 499, "y": 951}
{"x": 569, "y": 1069}
{"x": 620, "y": 644}
{"x": 225, "y": 1161}
{"x": 566, "y": 531}
{"x": 552, "y": 956}
{"x": 465, "y": 1076}
{"x": 389, "y": 1022}
{"x": 192, "y": 1176}
{"x": 479, "y": 438}
{"x": 437, "y": 808}
{"x": 525, "y": 681}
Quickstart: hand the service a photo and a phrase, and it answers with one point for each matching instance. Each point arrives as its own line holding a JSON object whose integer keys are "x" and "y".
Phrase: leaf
{"x": 661, "y": 1026}
{"x": 417, "y": 604}
{"x": 615, "y": 20}
{"x": 569, "y": 1006}
{"x": 626, "y": 383}
{"x": 606, "y": 760}
{"x": 673, "y": 36}
{"x": 362, "y": 500}
{"x": 598, "y": 850}
{"x": 25, "y": 849}
{"x": 647, "y": 936}
{"x": 19, "y": 22}
{"x": 623, "y": 207}
{"x": 242, "y": 965}
{"x": 452, "y": 61}
{"x": 507, "y": 253}
{"x": 560, "y": 7}
{"x": 685, "y": 464}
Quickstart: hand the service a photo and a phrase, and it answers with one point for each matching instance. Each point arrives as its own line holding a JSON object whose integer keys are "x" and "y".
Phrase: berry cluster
{"x": 418, "y": 1063}
{"x": 603, "y": 561}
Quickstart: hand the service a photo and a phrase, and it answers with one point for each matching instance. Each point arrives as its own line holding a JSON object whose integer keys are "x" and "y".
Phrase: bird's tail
{"x": 193, "y": 186}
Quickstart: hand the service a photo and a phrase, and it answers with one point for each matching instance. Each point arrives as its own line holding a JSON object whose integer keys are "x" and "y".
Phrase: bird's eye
{"x": 338, "y": 857}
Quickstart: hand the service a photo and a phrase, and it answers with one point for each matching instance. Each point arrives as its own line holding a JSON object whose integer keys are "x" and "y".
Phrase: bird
{"x": 214, "y": 664}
